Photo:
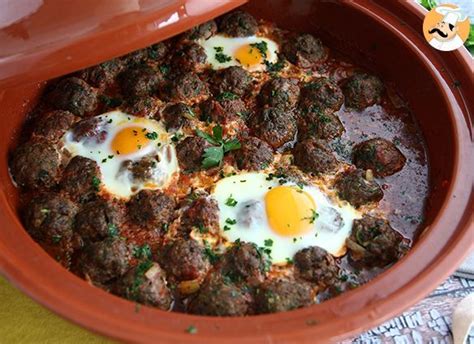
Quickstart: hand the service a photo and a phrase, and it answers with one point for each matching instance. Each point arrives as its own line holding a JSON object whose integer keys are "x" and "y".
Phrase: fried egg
{"x": 248, "y": 52}
{"x": 119, "y": 143}
{"x": 281, "y": 216}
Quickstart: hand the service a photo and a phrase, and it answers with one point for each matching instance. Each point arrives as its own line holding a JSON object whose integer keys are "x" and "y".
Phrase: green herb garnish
{"x": 227, "y": 96}
{"x": 112, "y": 230}
{"x": 231, "y": 202}
{"x": 191, "y": 329}
{"x": 143, "y": 251}
{"x": 231, "y": 221}
{"x": 151, "y": 136}
{"x": 213, "y": 156}
{"x": 262, "y": 47}
{"x": 313, "y": 217}
{"x": 95, "y": 183}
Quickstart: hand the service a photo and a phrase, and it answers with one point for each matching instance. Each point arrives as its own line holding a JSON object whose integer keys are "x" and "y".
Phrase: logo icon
{"x": 446, "y": 27}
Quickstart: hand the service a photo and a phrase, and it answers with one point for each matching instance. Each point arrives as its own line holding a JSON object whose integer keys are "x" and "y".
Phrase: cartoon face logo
{"x": 446, "y": 27}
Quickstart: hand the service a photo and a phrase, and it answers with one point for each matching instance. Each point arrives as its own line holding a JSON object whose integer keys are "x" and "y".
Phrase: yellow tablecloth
{"x": 24, "y": 321}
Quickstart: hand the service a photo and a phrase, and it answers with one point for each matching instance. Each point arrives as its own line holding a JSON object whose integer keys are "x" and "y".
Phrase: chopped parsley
{"x": 262, "y": 47}
{"x": 192, "y": 329}
{"x": 226, "y": 228}
{"x": 202, "y": 228}
{"x": 143, "y": 251}
{"x": 210, "y": 254}
{"x": 268, "y": 242}
{"x": 231, "y": 202}
{"x": 56, "y": 238}
{"x": 95, "y": 183}
{"x": 275, "y": 67}
{"x": 231, "y": 221}
{"x": 213, "y": 156}
{"x": 152, "y": 136}
{"x": 113, "y": 230}
{"x": 313, "y": 217}
{"x": 220, "y": 56}
{"x": 289, "y": 260}
{"x": 177, "y": 137}
{"x": 164, "y": 69}
{"x": 227, "y": 96}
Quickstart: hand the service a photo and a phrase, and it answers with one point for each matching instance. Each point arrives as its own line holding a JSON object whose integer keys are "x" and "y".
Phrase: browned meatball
{"x": 105, "y": 260}
{"x": 190, "y": 57}
{"x": 185, "y": 87}
{"x": 319, "y": 125}
{"x": 314, "y": 264}
{"x": 379, "y": 155}
{"x": 274, "y": 126}
{"x": 279, "y": 92}
{"x": 81, "y": 179}
{"x": 176, "y": 116}
{"x": 305, "y": 50}
{"x": 190, "y": 151}
{"x": 254, "y": 154}
{"x": 234, "y": 80}
{"x": 321, "y": 95}
{"x": 362, "y": 90}
{"x": 144, "y": 106}
{"x": 219, "y": 297}
{"x": 203, "y": 31}
{"x": 35, "y": 164}
{"x": 184, "y": 260}
{"x": 98, "y": 220}
{"x": 53, "y": 125}
{"x": 373, "y": 242}
{"x": 353, "y": 187}
{"x": 102, "y": 74}
{"x": 73, "y": 95}
{"x": 243, "y": 262}
{"x": 145, "y": 284}
{"x": 151, "y": 209}
{"x": 49, "y": 217}
{"x": 222, "y": 111}
{"x": 139, "y": 81}
{"x": 143, "y": 169}
{"x": 279, "y": 295}
{"x": 203, "y": 214}
{"x": 238, "y": 24}
{"x": 314, "y": 156}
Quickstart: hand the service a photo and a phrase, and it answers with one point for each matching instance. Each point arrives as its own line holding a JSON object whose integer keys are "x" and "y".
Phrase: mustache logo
{"x": 441, "y": 33}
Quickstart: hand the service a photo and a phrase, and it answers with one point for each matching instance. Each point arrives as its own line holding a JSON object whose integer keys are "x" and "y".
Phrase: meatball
{"x": 151, "y": 209}
{"x": 379, "y": 155}
{"x": 254, "y": 154}
{"x": 185, "y": 87}
{"x": 190, "y": 152}
{"x": 373, "y": 242}
{"x": 90, "y": 130}
{"x": 139, "y": 81}
{"x": 219, "y": 297}
{"x": 73, "y": 95}
{"x": 234, "y": 80}
{"x": 362, "y": 90}
{"x": 184, "y": 260}
{"x": 314, "y": 264}
{"x": 53, "y": 125}
{"x": 102, "y": 74}
{"x": 203, "y": 31}
{"x": 321, "y": 95}
{"x": 353, "y": 187}
{"x": 98, "y": 220}
{"x": 244, "y": 263}
{"x": 280, "y": 93}
{"x": 105, "y": 260}
{"x": 49, "y": 217}
{"x": 144, "y": 106}
{"x": 222, "y": 111}
{"x": 279, "y": 295}
{"x": 238, "y": 24}
{"x": 81, "y": 179}
{"x": 319, "y": 125}
{"x": 203, "y": 214}
{"x": 305, "y": 51}
{"x": 176, "y": 116}
{"x": 35, "y": 164}
{"x": 274, "y": 126}
{"x": 146, "y": 284}
{"x": 314, "y": 156}
{"x": 190, "y": 57}
{"x": 143, "y": 169}
{"x": 158, "y": 51}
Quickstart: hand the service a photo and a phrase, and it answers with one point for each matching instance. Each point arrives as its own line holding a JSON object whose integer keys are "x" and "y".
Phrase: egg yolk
{"x": 290, "y": 210}
{"x": 130, "y": 140}
{"x": 249, "y": 56}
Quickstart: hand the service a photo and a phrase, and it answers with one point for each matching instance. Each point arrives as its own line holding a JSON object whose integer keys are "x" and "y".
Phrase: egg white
{"x": 329, "y": 230}
{"x": 230, "y": 45}
{"x": 115, "y": 179}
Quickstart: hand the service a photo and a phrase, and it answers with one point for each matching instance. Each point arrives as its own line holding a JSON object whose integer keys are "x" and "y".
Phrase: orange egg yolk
{"x": 130, "y": 140}
{"x": 290, "y": 210}
{"x": 249, "y": 56}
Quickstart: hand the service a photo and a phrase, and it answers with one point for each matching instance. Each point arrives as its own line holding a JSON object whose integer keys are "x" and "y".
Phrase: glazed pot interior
{"x": 351, "y": 30}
